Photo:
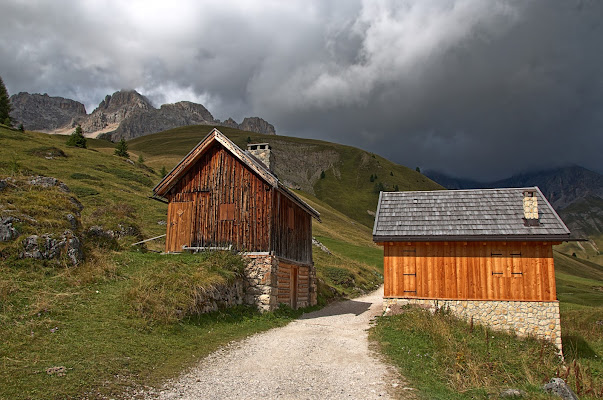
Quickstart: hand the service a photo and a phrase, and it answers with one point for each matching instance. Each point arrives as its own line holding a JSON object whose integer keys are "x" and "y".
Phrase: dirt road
{"x": 322, "y": 355}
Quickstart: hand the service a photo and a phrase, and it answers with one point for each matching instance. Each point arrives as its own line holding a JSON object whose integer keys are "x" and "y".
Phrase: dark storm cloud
{"x": 473, "y": 88}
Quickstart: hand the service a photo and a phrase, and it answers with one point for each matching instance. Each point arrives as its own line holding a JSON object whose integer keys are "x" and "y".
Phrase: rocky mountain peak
{"x": 124, "y": 99}
{"x": 257, "y": 124}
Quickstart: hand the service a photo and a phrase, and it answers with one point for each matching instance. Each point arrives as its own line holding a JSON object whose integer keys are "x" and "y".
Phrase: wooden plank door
{"x": 179, "y": 230}
{"x": 293, "y": 283}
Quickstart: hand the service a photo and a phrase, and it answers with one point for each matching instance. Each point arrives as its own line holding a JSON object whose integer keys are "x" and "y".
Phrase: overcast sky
{"x": 472, "y": 88}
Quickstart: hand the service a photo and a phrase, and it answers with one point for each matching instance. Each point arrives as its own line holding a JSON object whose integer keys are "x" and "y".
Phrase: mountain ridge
{"x": 125, "y": 114}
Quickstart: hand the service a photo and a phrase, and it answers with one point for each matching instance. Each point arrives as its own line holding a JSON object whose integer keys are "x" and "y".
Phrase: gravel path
{"x": 322, "y": 355}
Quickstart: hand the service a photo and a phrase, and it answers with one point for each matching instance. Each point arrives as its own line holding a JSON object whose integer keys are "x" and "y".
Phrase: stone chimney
{"x": 530, "y": 208}
{"x": 261, "y": 151}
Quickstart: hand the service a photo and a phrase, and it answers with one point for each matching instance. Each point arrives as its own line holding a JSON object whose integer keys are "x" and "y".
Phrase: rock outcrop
{"x": 124, "y": 114}
{"x": 257, "y": 124}
{"x": 41, "y": 112}
{"x": 168, "y": 116}
{"x": 113, "y": 110}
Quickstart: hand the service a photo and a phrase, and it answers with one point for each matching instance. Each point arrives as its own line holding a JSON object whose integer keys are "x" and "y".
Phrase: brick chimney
{"x": 261, "y": 151}
{"x": 530, "y": 208}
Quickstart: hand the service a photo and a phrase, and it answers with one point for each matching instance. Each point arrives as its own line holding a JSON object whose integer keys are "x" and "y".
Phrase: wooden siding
{"x": 522, "y": 271}
{"x": 216, "y": 179}
{"x": 293, "y": 283}
{"x": 292, "y": 233}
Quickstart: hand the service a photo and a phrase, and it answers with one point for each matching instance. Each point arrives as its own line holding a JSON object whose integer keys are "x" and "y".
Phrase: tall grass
{"x": 448, "y": 358}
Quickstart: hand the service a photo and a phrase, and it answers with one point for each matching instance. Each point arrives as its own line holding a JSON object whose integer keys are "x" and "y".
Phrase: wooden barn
{"x": 221, "y": 197}
{"x": 486, "y": 254}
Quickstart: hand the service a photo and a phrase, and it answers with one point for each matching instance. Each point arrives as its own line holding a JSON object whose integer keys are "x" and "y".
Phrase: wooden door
{"x": 179, "y": 231}
{"x": 293, "y": 286}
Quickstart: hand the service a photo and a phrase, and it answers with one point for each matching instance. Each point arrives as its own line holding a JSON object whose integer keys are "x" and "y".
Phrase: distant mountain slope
{"x": 124, "y": 114}
{"x": 346, "y": 184}
{"x": 41, "y": 112}
{"x": 561, "y": 186}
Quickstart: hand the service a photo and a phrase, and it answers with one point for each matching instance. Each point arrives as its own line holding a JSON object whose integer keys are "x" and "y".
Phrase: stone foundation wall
{"x": 260, "y": 282}
{"x": 222, "y": 296}
{"x": 534, "y": 318}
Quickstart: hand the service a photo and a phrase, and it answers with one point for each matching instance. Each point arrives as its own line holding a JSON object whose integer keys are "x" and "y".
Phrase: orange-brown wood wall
{"x": 470, "y": 270}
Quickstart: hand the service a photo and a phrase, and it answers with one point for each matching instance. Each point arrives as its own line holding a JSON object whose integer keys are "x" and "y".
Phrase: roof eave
{"x": 473, "y": 238}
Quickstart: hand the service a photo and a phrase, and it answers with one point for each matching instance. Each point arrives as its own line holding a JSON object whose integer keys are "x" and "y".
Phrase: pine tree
{"x": 418, "y": 169}
{"x": 77, "y": 139}
{"x": 21, "y": 128}
{"x": 122, "y": 149}
{"x": 163, "y": 171}
{"x": 5, "y": 106}
{"x": 140, "y": 159}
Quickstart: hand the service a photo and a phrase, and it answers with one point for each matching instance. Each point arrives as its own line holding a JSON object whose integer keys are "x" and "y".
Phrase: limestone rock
{"x": 47, "y": 247}
{"x": 41, "y": 112}
{"x": 257, "y": 124}
{"x": 7, "y": 231}
{"x": 47, "y": 182}
{"x": 231, "y": 123}
{"x": 558, "y": 387}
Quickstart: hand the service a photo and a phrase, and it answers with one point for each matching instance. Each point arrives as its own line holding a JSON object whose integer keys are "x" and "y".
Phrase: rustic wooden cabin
{"x": 221, "y": 197}
{"x": 485, "y": 254}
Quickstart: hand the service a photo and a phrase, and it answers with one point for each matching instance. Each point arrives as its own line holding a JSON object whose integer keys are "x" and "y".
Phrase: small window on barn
{"x": 227, "y": 212}
{"x": 291, "y": 218}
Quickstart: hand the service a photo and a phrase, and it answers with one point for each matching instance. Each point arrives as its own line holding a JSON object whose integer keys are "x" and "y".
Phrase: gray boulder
{"x": 558, "y": 387}
{"x": 7, "y": 231}
{"x": 47, "y": 247}
{"x": 47, "y": 182}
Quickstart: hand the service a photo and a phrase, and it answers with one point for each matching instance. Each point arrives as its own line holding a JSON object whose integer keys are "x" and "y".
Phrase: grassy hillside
{"x": 95, "y": 323}
{"x": 346, "y": 186}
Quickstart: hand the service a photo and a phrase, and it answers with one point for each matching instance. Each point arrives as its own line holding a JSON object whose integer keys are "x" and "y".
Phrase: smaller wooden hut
{"x": 221, "y": 197}
{"x": 485, "y": 254}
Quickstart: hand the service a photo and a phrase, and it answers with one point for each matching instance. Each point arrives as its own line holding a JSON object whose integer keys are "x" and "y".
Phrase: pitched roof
{"x": 467, "y": 215}
{"x": 163, "y": 187}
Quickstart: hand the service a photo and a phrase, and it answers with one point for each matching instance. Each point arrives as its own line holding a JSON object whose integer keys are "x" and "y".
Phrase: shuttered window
{"x": 227, "y": 212}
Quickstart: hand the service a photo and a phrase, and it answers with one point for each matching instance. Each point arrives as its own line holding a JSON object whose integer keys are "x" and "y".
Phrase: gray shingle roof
{"x": 480, "y": 215}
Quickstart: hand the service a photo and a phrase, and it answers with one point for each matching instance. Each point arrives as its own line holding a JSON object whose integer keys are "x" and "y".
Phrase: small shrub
{"x": 131, "y": 176}
{"x": 140, "y": 159}
{"x": 340, "y": 276}
{"x": 83, "y": 191}
{"x": 322, "y": 175}
{"x": 47, "y": 152}
{"x": 78, "y": 175}
{"x": 21, "y": 128}
{"x": 163, "y": 171}
{"x": 379, "y": 187}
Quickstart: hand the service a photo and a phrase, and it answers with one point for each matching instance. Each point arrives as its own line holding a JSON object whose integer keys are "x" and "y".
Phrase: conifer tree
{"x": 122, "y": 149}
{"x": 5, "y": 106}
{"x": 77, "y": 139}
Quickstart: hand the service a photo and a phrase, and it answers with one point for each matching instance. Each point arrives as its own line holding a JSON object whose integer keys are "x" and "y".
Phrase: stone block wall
{"x": 534, "y": 318}
{"x": 222, "y": 296}
{"x": 260, "y": 282}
